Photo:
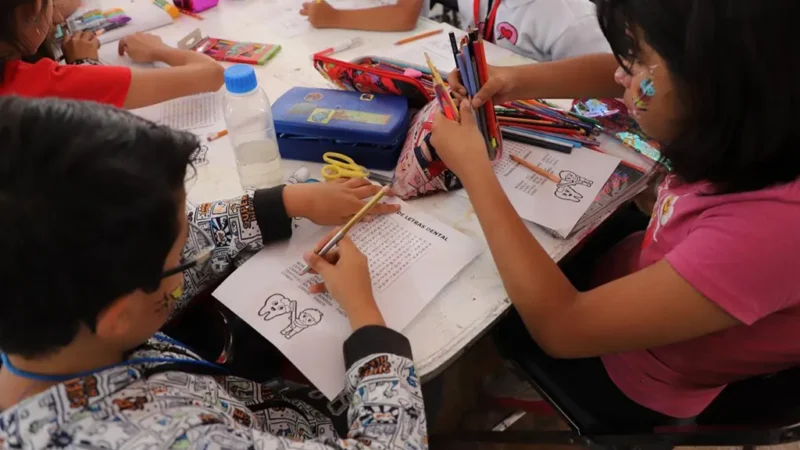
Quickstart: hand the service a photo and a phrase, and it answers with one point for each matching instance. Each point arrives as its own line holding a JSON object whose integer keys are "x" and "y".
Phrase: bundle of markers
{"x": 471, "y": 62}
{"x": 538, "y": 123}
{"x": 95, "y": 20}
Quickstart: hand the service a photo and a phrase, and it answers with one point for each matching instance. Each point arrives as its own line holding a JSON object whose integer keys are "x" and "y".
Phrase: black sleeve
{"x": 374, "y": 339}
{"x": 271, "y": 216}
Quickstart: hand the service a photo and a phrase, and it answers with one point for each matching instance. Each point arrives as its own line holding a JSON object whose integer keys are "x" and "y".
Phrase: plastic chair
{"x": 759, "y": 411}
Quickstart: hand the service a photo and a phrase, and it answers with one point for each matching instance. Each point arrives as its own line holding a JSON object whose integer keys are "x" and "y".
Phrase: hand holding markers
{"x": 80, "y": 45}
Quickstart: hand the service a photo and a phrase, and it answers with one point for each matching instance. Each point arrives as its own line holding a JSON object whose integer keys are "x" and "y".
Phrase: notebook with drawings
{"x": 412, "y": 256}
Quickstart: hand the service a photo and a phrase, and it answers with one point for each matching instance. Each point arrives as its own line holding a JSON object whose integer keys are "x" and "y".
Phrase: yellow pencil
{"x": 437, "y": 79}
{"x": 418, "y": 37}
{"x": 536, "y": 169}
{"x": 350, "y": 224}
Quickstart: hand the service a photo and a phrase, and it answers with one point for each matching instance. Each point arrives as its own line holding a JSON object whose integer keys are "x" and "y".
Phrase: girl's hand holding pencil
{"x": 461, "y": 146}
{"x": 499, "y": 87}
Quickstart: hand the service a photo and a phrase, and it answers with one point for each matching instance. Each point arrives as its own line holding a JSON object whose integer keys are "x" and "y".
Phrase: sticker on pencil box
{"x": 321, "y": 115}
{"x": 367, "y": 97}
{"x": 324, "y": 116}
{"x": 313, "y": 97}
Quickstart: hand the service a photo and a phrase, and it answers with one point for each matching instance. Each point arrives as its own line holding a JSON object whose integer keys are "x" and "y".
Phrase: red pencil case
{"x": 361, "y": 76}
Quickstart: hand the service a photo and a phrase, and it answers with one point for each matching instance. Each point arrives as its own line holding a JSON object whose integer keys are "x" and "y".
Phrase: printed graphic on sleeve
{"x": 506, "y": 31}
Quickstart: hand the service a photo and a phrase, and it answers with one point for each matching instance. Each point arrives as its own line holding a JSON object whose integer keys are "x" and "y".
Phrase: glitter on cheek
{"x": 644, "y": 94}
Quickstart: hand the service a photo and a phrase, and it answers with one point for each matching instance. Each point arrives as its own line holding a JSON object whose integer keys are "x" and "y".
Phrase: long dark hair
{"x": 9, "y": 34}
{"x": 737, "y": 76}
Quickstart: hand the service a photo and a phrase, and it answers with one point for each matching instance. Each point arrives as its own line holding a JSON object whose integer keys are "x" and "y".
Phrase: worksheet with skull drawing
{"x": 412, "y": 256}
{"x": 557, "y": 206}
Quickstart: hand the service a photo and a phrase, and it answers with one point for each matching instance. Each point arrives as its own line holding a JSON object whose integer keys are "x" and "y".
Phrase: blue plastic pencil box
{"x": 368, "y": 128}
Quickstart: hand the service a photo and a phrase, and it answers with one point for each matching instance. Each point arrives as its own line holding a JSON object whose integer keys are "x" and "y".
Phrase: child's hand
{"x": 332, "y": 203}
{"x": 80, "y": 45}
{"x": 499, "y": 87}
{"x": 320, "y": 15}
{"x": 460, "y": 145}
{"x": 141, "y": 47}
{"x": 346, "y": 274}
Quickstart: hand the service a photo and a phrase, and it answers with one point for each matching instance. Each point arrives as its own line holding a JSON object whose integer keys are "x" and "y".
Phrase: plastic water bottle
{"x": 252, "y": 131}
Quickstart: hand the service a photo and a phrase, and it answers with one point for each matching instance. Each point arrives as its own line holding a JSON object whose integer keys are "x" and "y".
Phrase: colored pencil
{"x": 418, "y": 37}
{"x": 441, "y": 91}
{"x": 536, "y": 169}
{"x": 454, "y": 46}
{"x": 214, "y": 136}
{"x": 531, "y": 140}
{"x": 190, "y": 14}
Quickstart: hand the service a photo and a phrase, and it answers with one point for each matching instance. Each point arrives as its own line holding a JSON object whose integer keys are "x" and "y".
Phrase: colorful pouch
{"x": 364, "y": 75}
{"x": 419, "y": 170}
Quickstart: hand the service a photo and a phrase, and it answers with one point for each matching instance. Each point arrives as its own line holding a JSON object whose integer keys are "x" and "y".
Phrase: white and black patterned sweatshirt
{"x": 165, "y": 397}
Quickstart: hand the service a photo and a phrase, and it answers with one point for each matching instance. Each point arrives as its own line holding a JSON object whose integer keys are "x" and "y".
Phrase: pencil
{"x": 214, "y": 136}
{"x": 350, "y": 224}
{"x": 418, "y": 37}
{"x": 536, "y": 169}
{"x": 454, "y": 46}
{"x": 190, "y": 14}
{"x": 538, "y": 142}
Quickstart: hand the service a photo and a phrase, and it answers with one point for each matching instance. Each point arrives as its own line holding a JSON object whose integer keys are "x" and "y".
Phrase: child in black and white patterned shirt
{"x": 99, "y": 233}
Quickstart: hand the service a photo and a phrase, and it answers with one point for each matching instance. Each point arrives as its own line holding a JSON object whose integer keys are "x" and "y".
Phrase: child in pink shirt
{"x": 709, "y": 294}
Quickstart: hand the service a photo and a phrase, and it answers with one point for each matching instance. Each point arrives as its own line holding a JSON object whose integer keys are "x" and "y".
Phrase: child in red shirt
{"x": 27, "y": 25}
{"x": 709, "y": 294}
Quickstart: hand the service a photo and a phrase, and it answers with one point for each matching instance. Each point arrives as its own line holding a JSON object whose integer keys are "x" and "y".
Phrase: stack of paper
{"x": 412, "y": 257}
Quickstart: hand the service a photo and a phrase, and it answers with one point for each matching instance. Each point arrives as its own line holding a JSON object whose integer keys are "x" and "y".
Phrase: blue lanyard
{"x": 61, "y": 378}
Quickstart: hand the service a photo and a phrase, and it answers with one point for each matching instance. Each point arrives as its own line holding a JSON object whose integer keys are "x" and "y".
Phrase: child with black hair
{"x": 28, "y": 69}
{"x": 100, "y": 244}
{"x": 709, "y": 294}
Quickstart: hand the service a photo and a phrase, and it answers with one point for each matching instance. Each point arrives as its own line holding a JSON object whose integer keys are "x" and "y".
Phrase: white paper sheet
{"x": 412, "y": 256}
{"x": 556, "y": 206}
{"x": 186, "y": 113}
{"x": 437, "y": 47}
{"x": 286, "y": 22}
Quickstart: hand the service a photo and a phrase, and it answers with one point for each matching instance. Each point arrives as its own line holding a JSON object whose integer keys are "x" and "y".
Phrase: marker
{"x": 340, "y": 47}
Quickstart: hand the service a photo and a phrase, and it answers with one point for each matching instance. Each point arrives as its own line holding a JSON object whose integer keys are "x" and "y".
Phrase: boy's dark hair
{"x": 90, "y": 197}
{"x": 735, "y": 72}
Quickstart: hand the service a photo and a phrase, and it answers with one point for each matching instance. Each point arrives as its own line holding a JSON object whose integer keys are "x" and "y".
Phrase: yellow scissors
{"x": 343, "y": 166}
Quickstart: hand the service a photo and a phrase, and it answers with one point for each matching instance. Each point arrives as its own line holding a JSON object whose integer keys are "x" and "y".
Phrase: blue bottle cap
{"x": 240, "y": 79}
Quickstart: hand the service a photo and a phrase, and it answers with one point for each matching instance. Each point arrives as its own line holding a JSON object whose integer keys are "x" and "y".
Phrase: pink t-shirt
{"x": 742, "y": 252}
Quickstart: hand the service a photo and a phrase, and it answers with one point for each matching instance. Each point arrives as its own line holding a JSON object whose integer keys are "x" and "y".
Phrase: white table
{"x": 475, "y": 299}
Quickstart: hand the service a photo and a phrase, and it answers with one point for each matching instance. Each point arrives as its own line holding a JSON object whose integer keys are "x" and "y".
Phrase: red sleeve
{"x": 47, "y": 78}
